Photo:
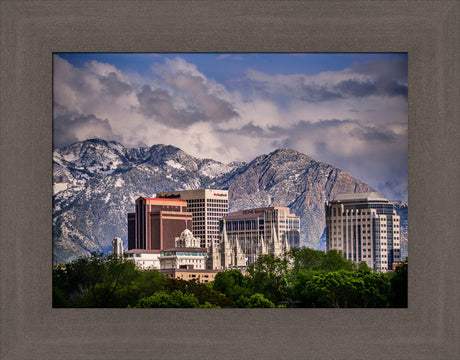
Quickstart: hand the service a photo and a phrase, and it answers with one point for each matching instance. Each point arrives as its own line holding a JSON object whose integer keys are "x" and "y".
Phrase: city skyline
{"x": 348, "y": 110}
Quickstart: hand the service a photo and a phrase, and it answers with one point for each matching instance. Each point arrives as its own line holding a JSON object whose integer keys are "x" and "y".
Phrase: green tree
{"x": 255, "y": 301}
{"x": 306, "y": 259}
{"x": 298, "y": 293}
{"x": 233, "y": 284}
{"x": 269, "y": 274}
{"x": 363, "y": 267}
{"x": 145, "y": 283}
{"x": 77, "y": 278}
{"x": 201, "y": 292}
{"x": 334, "y": 261}
{"x": 331, "y": 289}
{"x": 114, "y": 275}
{"x": 376, "y": 289}
{"x": 162, "y": 299}
{"x": 399, "y": 285}
{"x": 343, "y": 289}
{"x": 102, "y": 281}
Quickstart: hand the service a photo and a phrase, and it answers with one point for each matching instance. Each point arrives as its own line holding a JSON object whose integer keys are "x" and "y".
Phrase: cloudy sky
{"x": 348, "y": 110}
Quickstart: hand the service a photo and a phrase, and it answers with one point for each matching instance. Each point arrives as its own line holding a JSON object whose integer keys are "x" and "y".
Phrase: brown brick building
{"x": 157, "y": 222}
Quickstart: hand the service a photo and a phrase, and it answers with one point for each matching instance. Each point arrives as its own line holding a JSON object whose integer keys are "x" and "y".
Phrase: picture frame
{"x": 32, "y": 31}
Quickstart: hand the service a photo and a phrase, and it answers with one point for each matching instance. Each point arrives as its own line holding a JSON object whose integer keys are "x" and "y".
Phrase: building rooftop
{"x": 186, "y": 249}
{"x": 368, "y": 196}
{"x": 162, "y": 199}
{"x": 142, "y": 251}
{"x": 254, "y": 212}
{"x": 209, "y": 271}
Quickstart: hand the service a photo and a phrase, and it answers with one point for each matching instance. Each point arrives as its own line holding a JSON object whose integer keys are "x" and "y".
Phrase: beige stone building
{"x": 203, "y": 276}
{"x": 226, "y": 255}
{"x": 187, "y": 260}
{"x": 267, "y": 230}
{"x": 187, "y": 254}
{"x": 365, "y": 227}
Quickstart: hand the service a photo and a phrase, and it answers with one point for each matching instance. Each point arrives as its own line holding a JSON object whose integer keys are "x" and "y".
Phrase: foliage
{"x": 103, "y": 281}
{"x": 162, "y": 299}
{"x": 307, "y": 259}
{"x": 233, "y": 284}
{"x": 203, "y": 293}
{"x": 269, "y": 274}
{"x": 342, "y": 289}
{"x": 334, "y": 261}
{"x": 303, "y": 278}
{"x": 399, "y": 285}
{"x": 255, "y": 301}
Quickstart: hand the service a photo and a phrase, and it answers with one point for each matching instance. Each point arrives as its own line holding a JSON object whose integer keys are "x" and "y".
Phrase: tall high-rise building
{"x": 263, "y": 230}
{"x": 364, "y": 227}
{"x": 157, "y": 222}
{"x": 208, "y": 208}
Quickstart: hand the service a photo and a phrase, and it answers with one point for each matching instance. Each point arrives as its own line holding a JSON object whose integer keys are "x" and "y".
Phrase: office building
{"x": 265, "y": 230}
{"x": 157, "y": 222}
{"x": 364, "y": 227}
{"x": 208, "y": 208}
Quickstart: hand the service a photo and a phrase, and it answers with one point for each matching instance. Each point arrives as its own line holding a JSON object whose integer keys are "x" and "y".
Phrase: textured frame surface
{"x": 32, "y": 31}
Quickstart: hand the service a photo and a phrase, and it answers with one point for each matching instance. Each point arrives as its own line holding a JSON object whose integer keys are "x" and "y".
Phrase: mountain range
{"x": 96, "y": 183}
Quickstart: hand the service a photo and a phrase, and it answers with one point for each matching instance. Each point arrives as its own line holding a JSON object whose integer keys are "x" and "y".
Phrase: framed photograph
{"x": 289, "y": 169}
{"x": 36, "y": 34}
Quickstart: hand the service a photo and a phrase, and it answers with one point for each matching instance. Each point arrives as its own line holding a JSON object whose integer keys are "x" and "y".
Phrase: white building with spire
{"x": 227, "y": 255}
{"x": 187, "y": 260}
{"x": 187, "y": 254}
{"x": 260, "y": 231}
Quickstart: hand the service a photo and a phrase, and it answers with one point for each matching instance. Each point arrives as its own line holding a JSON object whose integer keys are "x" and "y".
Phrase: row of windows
{"x": 214, "y": 218}
{"x": 349, "y": 216}
{"x": 191, "y": 276}
{"x": 182, "y": 253}
{"x": 191, "y": 260}
{"x": 202, "y": 215}
{"x": 208, "y": 205}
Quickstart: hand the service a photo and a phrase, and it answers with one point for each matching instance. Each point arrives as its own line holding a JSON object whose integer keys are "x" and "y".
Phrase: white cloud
{"x": 355, "y": 119}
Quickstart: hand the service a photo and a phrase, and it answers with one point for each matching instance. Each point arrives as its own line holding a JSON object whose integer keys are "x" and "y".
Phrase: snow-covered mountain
{"x": 97, "y": 182}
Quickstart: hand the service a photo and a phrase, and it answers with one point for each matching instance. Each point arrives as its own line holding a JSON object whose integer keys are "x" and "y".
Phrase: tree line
{"x": 301, "y": 278}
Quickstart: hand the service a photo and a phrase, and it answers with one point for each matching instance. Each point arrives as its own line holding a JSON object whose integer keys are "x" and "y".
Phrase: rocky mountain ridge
{"x": 96, "y": 183}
